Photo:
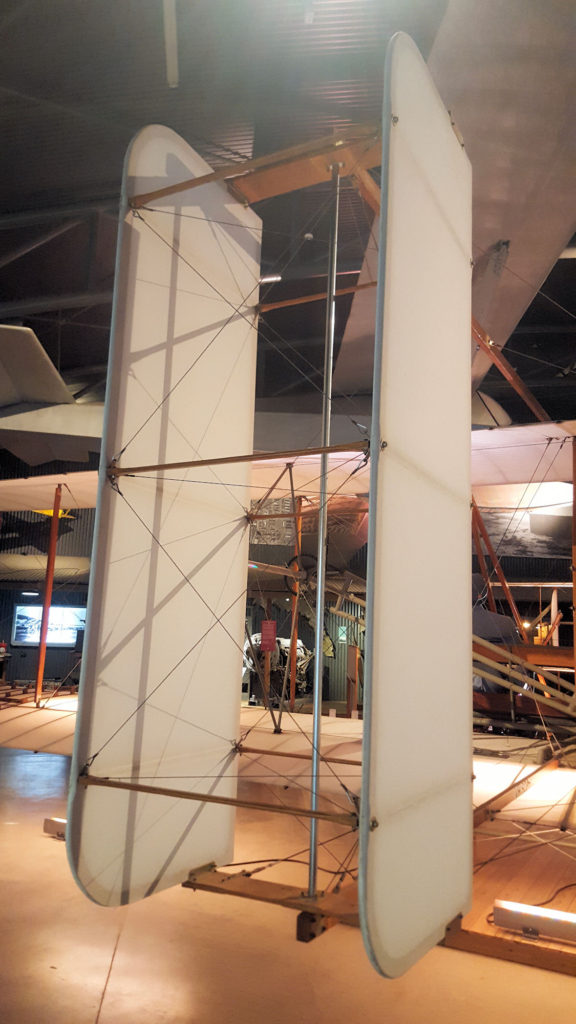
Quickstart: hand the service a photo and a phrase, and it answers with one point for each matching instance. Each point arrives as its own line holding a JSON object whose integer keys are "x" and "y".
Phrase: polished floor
{"x": 194, "y": 958}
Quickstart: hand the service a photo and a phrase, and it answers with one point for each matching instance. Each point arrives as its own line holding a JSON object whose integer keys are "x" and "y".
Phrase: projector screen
{"x": 64, "y": 621}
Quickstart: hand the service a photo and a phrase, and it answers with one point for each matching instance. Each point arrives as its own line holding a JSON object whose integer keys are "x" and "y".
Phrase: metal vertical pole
{"x": 49, "y": 581}
{"x": 322, "y": 526}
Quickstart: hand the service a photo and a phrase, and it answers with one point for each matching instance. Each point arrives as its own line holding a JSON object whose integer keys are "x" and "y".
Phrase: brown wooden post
{"x": 295, "y": 602}
{"x": 352, "y": 659}
{"x": 48, "y": 584}
{"x": 498, "y": 569}
{"x": 267, "y": 658}
{"x": 482, "y": 560}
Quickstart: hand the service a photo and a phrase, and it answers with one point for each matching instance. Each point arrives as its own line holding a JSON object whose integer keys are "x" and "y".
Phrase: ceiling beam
{"x": 42, "y": 304}
{"x": 27, "y": 218}
{"x": 38, "y": 242}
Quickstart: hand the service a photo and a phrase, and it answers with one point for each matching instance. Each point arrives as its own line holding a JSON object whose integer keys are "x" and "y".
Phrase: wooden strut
{"x": 542, "y": 702}
{"x": 340, "y": 818}
{"x": 498, "y": 569}
{"x": 328, "y": 144}
{"x": 275, "y": 570}
{"x": 505, "y": 655}
{"x": 332, "y": 449}
{"x": 482, "y": 564}
{"x": 333, "y": 908}
{"x": 511, "y": 793}
{"x": 301, "y": 757}
{"x": 497, "y": 357}
{"x": 48, "y": 586}
{"x": 301, "y": 300}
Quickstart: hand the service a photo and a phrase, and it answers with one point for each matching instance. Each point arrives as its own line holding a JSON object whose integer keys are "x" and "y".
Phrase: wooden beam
{"x": 48, "y": 586}
{"x": 308, "y": 171}
{"x": 495, "y": 354}
{"x": 482, "y": 564}
{"x": 497, "y": 705}
{"x": 301, "y": 300}
{"x": 242, "y": 749}
{"x": 518, "y": 951}
{"x": 476, "y": 517}
{"x": 543, "y": 702}
{"x": 511, "y": 793}
{"x": 497, "y": 653}
{"x": 342, "y": 905}
{"x": 345, "y": 818}
{"x": 274, "y": 570}
{"x": 368, "y": 189}
{"x": 322, "y": 151}
{"x": 351, "y": 446}
{"x": 532, "y": 654}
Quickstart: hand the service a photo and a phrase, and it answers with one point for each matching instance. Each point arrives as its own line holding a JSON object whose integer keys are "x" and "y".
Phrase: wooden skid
{"x": 519, "y": 951}
{"x": 335, "y": 907}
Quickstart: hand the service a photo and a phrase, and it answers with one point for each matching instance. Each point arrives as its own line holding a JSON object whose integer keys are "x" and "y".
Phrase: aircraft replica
{"x": 168, "y": 586}
{"x": 163, "y": 753}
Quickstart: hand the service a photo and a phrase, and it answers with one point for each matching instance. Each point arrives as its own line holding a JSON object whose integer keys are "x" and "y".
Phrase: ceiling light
{"x": 271, "y": 279}
{"x": 30, "y": 593}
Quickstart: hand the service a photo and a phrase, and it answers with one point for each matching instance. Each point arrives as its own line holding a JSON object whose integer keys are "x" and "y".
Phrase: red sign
{"x": 268, "y": 641}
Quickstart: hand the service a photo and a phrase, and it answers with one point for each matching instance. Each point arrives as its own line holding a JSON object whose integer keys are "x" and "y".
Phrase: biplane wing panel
{"x": 415, "y": 854}
{"x": 162, "y": 663}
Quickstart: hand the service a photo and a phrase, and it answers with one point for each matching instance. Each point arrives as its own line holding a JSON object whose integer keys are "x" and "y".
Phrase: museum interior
{"x": 281, "y": 106}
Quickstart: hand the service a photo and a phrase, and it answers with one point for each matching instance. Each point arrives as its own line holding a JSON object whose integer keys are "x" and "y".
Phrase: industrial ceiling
{"x": 241, "y": 78}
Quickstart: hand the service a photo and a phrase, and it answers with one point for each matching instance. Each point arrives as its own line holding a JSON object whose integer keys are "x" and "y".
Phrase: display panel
{"x": 160, "y": 689}
{"x": 63, "y": 625}
{"x": 416, "y": 829}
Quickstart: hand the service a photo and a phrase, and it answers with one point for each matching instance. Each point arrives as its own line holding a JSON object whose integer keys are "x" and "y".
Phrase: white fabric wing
{"x": 415, "y": 869}
{"x": 160, "y": 690}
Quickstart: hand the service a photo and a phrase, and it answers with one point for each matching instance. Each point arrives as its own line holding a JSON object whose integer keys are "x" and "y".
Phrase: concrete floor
{"x": 194, "y": 958}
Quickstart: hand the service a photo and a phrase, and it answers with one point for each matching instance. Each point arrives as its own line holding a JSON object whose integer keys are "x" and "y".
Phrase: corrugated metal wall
{"x": 27, "y": 533}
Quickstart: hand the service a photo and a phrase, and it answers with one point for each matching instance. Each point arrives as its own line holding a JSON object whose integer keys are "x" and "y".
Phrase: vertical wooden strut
{"x": 498, "y": 570}
{"x": 481, "y": 559}
{"x": 48, "y": 585}
{"x": 323, "y": 529}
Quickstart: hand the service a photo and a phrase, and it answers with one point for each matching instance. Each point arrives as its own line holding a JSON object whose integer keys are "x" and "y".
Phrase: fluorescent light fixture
{"x": 30, "y": 593}
{"x": 271, "y": 279}
{"x": 535, "y": 921}
{"x": 55, "y": 827}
